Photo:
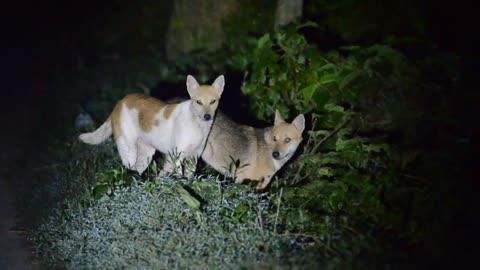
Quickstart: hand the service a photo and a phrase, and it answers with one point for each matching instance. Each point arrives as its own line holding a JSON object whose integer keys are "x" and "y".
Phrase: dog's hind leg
{"x": 144, "y": 156}
{"x": 128, "y": 152}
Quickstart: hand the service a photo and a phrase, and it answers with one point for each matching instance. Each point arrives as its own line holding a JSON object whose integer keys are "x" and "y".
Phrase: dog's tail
{"x": 99, "y": 135}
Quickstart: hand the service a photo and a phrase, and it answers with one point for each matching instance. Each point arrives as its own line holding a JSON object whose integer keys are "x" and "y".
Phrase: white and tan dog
{"x": 260, "y": 153}
{"x": 142, "y": 124}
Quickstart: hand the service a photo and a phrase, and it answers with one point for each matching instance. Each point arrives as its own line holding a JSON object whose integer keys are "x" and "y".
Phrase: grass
{"x": 156, "y": 229}
{"x": 205, "y": 222}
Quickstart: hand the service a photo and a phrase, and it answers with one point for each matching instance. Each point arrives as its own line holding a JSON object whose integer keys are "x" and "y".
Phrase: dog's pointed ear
{"x": 219, "y": 84}
{"x": 278, "y": 118}
{"x": 192, "y": 85}
{"x": 299, "y": 123}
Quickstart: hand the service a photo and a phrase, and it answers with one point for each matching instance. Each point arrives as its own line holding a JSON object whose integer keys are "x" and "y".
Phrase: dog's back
{"x": 228, "y": 140}
{"x": 238, "y": 151}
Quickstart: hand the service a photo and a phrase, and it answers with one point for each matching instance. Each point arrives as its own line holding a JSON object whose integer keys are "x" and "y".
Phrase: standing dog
{"x": 141, "y": 124}
{"x": 260, "y": 152}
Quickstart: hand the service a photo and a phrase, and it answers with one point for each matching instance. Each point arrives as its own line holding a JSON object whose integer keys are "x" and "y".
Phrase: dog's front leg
{"x": 189, "y": 167}
{"x": 168, "y": 167}
{"x": 189, "y": 164}
{"x": 239, "y": 180}
{"x": 172, "y": 164}
{"x": 262, "y": 184}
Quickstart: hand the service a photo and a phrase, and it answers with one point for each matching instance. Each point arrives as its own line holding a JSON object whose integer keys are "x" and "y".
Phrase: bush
{"x": 348, "y": 184}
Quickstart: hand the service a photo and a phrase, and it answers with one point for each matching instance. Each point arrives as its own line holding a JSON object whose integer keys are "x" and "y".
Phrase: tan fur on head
{"x": 205, "y": 97}
{"x": 283, "y": 134}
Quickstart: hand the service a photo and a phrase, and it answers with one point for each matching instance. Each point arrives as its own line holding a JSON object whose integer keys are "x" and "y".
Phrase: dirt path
{"x": 14, "y": 250}
{"x": 14, "y": 253}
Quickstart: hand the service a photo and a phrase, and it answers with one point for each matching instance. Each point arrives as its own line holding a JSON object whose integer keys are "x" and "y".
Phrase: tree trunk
{"x": 288, "y": 11}
{"x": 197, "y": 24}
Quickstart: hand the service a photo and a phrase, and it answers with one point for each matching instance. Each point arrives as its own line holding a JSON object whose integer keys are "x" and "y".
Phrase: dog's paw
{"x": 239, "y": 180}
{"x": 164, "y": 173}
{"x": 259, "y": 188}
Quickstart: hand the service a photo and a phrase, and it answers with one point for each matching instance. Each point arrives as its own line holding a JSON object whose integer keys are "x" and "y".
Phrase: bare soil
{"x": 15, "y": 250}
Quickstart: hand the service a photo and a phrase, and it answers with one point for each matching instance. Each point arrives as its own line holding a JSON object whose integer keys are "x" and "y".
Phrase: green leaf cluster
{"x": 346, "y": 172}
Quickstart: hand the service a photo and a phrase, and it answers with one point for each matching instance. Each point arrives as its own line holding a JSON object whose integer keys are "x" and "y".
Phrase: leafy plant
{"x": 234, "y": 167}
{"x": 346, "y": 167}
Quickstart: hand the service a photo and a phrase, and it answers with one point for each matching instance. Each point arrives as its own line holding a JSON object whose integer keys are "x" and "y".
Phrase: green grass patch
{"x": 164, "y": 223}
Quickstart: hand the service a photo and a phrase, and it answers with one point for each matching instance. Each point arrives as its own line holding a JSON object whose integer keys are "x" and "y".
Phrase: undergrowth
{"x": 122, "y": 220}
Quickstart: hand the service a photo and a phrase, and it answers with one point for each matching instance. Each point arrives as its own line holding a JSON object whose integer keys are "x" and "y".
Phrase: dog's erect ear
{"x": 219, "y": 84}
{"x": 299, "y": 123}
{"x": 278, "y": 118}
{"x": 192, "y": 85}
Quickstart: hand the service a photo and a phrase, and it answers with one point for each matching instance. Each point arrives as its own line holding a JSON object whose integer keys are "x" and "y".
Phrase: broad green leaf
{"x": 326, "y": 171}
{"x": 306, "y": 24}
{"x": 308, "y": 93}
{"x": 318, "y": 132}
{"x": 187, "y": 198}
{"x": 354, "y": 179}
{"x": 330, "y": 160}
{"x": 100, "y": 190}
{"x": 333, "y": 108}
{"x": 328, "y": 78}
{"x": 326, "y": 67}
{"x": 349, "y": 144}
{"x": 350, "y": 48}
{"x": 263, "y": 40}
{"x": 321, "y": 97}
{"x": 376, "y": 147}
{"x": 301, "y": 59}
{"x": 348, "y": 79}
{"x": 333, "y": 55}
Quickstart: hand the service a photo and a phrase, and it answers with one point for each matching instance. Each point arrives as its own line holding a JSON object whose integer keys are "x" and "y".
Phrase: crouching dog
{"x": 260, "y": 152}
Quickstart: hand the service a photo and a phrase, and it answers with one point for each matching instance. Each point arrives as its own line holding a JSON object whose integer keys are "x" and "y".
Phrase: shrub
{"x": 347, "y": 183}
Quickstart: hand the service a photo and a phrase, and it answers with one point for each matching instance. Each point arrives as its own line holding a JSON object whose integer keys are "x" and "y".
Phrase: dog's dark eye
{"x": 213, "y": 101}
{"x": 274, "y": 138}
{"x": 287, "y": 140}
{"x": 199, "y": 102}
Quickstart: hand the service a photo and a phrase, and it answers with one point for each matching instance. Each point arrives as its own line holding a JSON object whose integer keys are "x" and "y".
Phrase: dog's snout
{"x": 275, "y": 154}
{"x": 207, "y": 116}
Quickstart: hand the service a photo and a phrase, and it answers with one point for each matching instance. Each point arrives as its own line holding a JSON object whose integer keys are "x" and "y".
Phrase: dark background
{"x": 40, "y": 39}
